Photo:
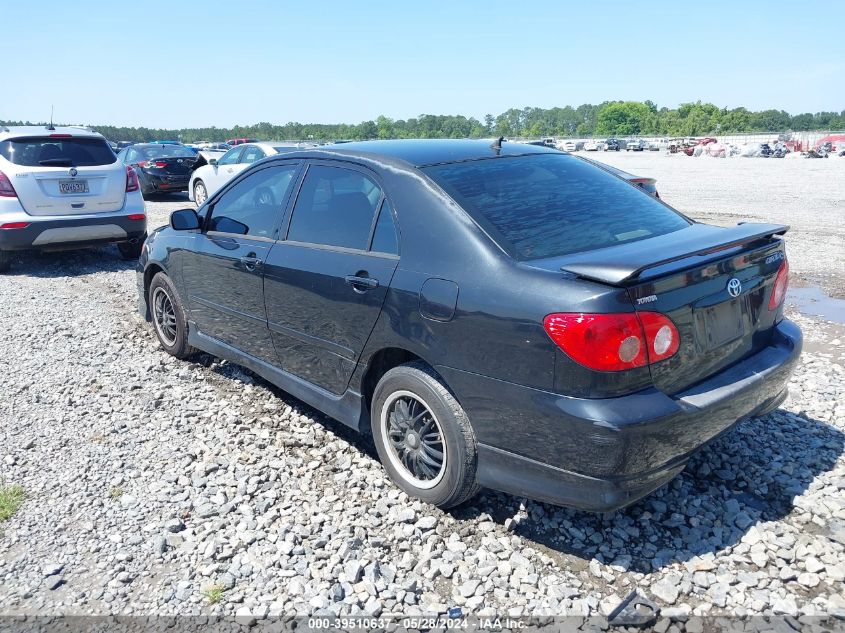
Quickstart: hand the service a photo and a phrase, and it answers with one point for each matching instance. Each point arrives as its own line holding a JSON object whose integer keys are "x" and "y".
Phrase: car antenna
{"x": 51, "y": 127}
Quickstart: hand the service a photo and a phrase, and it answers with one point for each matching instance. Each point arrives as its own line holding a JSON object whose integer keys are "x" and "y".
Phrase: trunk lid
{"x": 714, "y": 284}
{"x": 170, "y": 165}
{"x": 71, "y": 190}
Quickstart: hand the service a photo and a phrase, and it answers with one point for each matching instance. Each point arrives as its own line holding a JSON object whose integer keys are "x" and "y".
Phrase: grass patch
{"x": 11, "y": 498}
{"x": 213, "y": 594}
{"x": 116, "y": 492}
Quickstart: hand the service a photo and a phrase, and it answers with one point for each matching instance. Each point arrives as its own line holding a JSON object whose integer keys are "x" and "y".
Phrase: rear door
{"x": 721, "y": 311}
{"x": 223, "y": 273}
{"x": 326, "y": 283}
{"x": 62, "y": 174}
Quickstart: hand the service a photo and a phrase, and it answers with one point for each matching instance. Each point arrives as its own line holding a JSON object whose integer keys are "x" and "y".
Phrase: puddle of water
{"x": 813, "y": 301}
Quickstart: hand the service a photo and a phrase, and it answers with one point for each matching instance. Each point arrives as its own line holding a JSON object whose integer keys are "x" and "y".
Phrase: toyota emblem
{"x": 180, "y": 161}
{"x": 734, "y": 287}
{"x": 73, "y": 172}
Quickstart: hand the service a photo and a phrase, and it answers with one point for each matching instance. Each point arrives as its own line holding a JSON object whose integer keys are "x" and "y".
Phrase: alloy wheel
{"x": 200, "y": 194}
{"x": 164, "y": 316}
{"x": 415, "y": 441}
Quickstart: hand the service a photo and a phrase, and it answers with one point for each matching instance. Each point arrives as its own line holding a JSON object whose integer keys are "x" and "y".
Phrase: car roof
{"x": 422, "y": 152}
{"x": 155, "y": 145}
{"x": 16, "y": 131}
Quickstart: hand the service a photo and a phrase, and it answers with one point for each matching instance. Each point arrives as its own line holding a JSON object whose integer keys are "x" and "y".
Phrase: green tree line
{"x": 611, "y": 118}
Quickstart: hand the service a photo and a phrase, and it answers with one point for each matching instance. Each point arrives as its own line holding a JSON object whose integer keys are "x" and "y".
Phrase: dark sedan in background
{"x": 497, "y": 315}
{"x": 161, "y": 167}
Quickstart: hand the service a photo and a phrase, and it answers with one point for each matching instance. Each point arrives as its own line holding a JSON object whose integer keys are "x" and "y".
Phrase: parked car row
{"x": 614, "y": 145}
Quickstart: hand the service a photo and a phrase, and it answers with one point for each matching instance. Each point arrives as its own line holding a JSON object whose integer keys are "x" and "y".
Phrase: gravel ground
{"x": 156, "y": 486}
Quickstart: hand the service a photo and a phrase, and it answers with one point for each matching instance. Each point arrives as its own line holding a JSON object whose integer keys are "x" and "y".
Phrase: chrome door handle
{"x": 361, "y": 284}
{"x": 251, "y": 262}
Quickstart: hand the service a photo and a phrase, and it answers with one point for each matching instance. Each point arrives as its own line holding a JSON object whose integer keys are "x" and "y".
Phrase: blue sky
{"x": 185, "y": 64}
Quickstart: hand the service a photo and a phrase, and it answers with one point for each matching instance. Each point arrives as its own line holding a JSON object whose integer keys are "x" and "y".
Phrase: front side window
{"x": 547, "y": 205}
{"x": 253, "y": 205}
{"x": 230, "y": 157}
{"x": 251, "y": 154}
{"x": 57, "y": 151}
{"x": 335, "y": 207}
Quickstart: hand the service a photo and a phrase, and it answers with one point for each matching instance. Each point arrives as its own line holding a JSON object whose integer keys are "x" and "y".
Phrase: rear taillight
{"x": 14, "y": 225}
{"x": 132, "y": 183}
{"x": 6, "y": 188}
{"x": 661, "y": 334}
{"x": 614, "y": 342}
{"x": 781, "y": 284}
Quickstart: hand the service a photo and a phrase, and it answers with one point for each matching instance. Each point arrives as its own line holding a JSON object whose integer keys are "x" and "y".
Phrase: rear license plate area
{"x": 723, "y": 323}
{"x": 73, "y": 186}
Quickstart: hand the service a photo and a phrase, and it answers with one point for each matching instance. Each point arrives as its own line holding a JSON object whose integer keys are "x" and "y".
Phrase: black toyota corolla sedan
{"x": 497, "y": 315}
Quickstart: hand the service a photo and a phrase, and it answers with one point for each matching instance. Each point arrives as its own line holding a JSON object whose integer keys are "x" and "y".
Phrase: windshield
{"x": 163, "y": 151}
{"x": 57, "y": 152}
{"x": 549, "y": 205}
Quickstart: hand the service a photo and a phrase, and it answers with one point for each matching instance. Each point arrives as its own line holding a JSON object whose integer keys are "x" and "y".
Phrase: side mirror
{"x": 213, "y": 161}
{"x": 184, "y": 220}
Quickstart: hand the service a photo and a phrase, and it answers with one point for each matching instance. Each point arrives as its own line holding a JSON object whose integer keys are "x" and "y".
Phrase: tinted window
{"x": 230, "y": 157}
{"x": 253, "y": 205}
{"x": 553, "y": 204}
{"x": 384, "y": 237}
{"x": 61, "y": 152}
{"x": 251, "y": 154}
{"x": 334, "y": 207}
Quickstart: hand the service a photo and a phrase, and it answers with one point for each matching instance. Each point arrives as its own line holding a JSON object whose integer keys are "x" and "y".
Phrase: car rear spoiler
{"x": 626, "y": 263}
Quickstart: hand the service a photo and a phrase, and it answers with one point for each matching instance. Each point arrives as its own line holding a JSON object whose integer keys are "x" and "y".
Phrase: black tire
{"x": 454, "y": 482}
{"x": 130, "y": 250}
{"x": 170, "y": 325}
{"x": 5, "y": 261}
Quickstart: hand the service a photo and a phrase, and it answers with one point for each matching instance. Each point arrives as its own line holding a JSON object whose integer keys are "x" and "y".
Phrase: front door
{"x": 224, "y": 274}
{"x": 224, "y": 170}
{"x": 325, "y": 284}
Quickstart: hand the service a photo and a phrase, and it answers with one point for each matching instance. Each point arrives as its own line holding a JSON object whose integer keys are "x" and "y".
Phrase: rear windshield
{"x": 164, "y": 151}
{"x": 548, "y": 205}
{"x": 62, "y": 152}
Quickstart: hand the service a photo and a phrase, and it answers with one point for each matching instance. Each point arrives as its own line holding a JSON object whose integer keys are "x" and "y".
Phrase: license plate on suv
{"x": 73, "y": 186}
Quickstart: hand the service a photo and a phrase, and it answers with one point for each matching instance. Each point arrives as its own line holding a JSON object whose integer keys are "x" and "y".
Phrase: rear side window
{"x": 57, "y": 152}
{"x": 552, "y": 204}
{"x": 335, "y": 207}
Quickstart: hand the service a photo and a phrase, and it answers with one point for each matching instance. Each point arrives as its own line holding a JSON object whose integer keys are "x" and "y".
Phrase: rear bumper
{"x": 601, "y": 455}
{"x": 153, "y": 184}
{"x": 55, "y": 232}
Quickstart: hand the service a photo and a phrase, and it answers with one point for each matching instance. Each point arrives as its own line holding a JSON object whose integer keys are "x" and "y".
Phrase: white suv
{"x": 63, "y": 187}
